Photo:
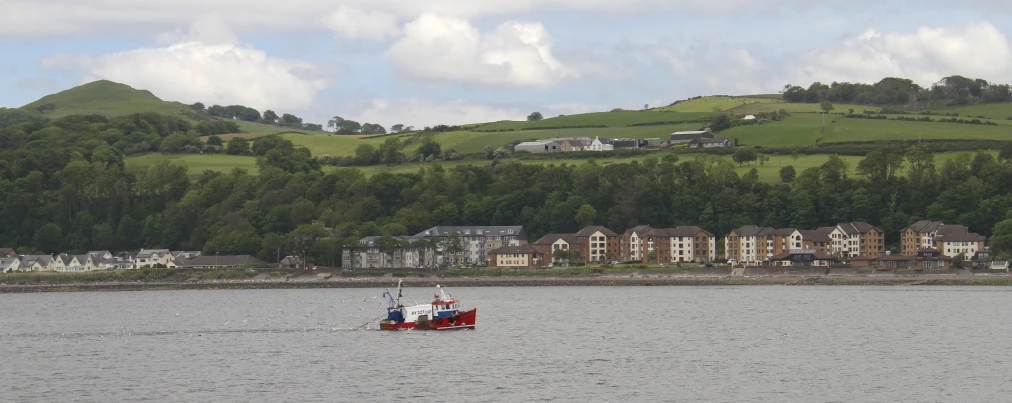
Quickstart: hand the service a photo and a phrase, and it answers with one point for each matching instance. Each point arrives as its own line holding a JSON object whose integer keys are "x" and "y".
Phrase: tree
{"x": 720, "y": 123}
{"x": 270, "y": 116}
{"x": 289, "y": 119}
{"x": 787, "y": 173}
{"x": 237, "y": 146}
{"x": 197, "y": 106}
{"x": 1005, "y": 155}
{"x": 214, "y": 140}
{"x": 397, "y": 128}
{"x": 585, "y": 216}
{"x": 48, "y": 238}
{"x": 429, "y": 148}
{"x": 744, "y": 155}
{"x": 652, "y": 256}
{"x": 454, "y": 246}
{"x": 534, "y": 117}
{"x": 827, "y": 107}
{"x": 959, "y": 261}
{"x": 1001, "y": 238}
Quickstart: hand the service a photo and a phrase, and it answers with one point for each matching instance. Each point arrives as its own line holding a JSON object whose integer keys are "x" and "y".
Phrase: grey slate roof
{"x": 512, "y": 230}
{"x": 146, "y": 253}
{"x": 595, "y": 228}
{"x": 925, "y": 226}
{"x": 748, "y": 230}
{"x": 552, "y": 238}
{"x": 857, "y": 227}
{"x": 816, "y": 235}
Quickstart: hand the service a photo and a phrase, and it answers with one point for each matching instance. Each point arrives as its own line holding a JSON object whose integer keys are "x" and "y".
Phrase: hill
{"x": 113, "y": 99}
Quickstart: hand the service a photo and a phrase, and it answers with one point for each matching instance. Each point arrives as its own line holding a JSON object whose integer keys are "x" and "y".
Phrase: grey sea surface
{"x": 609, "y": 344}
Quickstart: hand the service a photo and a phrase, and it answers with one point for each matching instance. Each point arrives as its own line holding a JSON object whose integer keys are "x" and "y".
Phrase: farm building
{"x": 685, "y": 137}
{"x": 541, "y": 146}
{"x": 717, "y": 142}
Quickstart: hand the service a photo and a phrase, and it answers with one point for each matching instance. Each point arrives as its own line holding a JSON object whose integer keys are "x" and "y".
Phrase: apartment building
{"x": 550, "y": 244}
{"x": 597, "y": 244}
{"x": 859, "y": 239}
{"x": 949, "y": 240}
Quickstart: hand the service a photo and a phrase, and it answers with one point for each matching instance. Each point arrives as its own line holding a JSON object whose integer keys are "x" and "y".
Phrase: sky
{"x": 427, "y": 62}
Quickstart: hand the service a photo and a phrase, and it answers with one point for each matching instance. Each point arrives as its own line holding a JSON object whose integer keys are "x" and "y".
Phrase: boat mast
{"x": 399, "y": 281}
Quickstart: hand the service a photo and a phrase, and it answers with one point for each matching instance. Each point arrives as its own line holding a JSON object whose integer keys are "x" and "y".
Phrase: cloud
{"x": 925, "y": 56}
{"x": 195, "y": 71}
{"x": 449, "y": 49}
{"x": 54, "y": 18}
{"x": 355, "y": 23}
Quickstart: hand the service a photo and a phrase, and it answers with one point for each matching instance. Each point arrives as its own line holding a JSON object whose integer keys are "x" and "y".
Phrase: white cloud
{"x": 450, "y": 49}
{"x": 355, "y": 23}
{"x": 49, "y": 18}
{"x": 195, "y": 71}
{"x": 925, "y": 56}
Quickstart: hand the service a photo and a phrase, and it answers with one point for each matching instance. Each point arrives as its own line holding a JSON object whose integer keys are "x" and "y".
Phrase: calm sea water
{"x": 727, "y": 344}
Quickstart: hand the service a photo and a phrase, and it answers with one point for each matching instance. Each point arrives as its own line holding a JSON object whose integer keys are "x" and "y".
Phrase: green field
{"x": 610, "y": 119}
{"x": 796, "y": 130}
{"x": 879, "y": 130}
{"x": 714, "y": 104}
{"x": 197, "y": 163}
{"x": 1000, "y": 111}
{"x": 800, "y": 108}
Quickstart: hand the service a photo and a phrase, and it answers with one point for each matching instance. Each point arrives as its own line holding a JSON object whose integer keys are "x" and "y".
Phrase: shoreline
{"x": 528, "y": 281}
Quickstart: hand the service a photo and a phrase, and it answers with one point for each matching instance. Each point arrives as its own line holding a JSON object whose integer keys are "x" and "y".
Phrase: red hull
{"x": 464, "y": 320}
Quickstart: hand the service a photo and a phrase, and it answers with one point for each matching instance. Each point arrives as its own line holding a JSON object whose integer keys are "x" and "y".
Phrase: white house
{"x": 9, "y": 264}
{"x": 154, "y": 258}
{"x": 36, "y": 263}
{"x": 598, "y": 145}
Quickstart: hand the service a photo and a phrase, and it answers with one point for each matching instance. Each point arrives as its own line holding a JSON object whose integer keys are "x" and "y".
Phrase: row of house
{"x": 436, "y": 246}
{"x": 565, "y": 145}
{"x": 10, "y": 261}
{"x": 752, "y": 245}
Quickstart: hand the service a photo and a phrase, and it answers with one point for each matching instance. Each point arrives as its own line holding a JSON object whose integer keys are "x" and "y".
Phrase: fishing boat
{"x": 442, "y": 314}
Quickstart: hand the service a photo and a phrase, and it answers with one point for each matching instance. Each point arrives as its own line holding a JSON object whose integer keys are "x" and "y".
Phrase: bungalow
{"x": 154, "y": 258}
{"x": 717, "y": 142}
{"x": 926, "y": 259}
{"x": 541, "y": 146}
{"x": 8, "y": 252}
{"x": 802, "y": 257}
{"x": 220, "y": 262}
{"x": 120, "y": 262}
{"x": 687, "y": 136}
{"x": 60, "y": 262}
{"x": 1000, "y": 265}
{"x": 97, "y": 255}
{"x": 9, "y": 264}
{"x": 80, "y": 263}
{"x": 519, "y": 256}
{"x": 290, "y": 263}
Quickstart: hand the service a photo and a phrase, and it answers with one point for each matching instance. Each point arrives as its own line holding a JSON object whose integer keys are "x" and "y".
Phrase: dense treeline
{"x": 70, "y": 193}
{"x": 953, "y": 90}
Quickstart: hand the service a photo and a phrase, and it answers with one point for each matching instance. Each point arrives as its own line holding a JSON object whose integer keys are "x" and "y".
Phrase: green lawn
{"x": 876, "y": 130}
{"x": 714, "y": 104}
{"x": 800, "y": 108}
{"x": 333, "y": 145}
{"x": 197, "y": 163}
{"x": 999, "y": 111}
{"x": 610, "y": 119}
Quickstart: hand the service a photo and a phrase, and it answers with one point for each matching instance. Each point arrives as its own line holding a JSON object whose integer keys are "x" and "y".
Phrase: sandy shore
{"x": 529, "y": 281}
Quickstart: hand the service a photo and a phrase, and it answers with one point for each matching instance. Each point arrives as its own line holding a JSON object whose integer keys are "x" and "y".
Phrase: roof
{"x": 689, "y": 132}
{"x": 747, "y": 230}
{"x": 911, "y": 258}
{"x": 857, "y": 227}
{"x": 999, "y": 263}
{"x": 817, "y": 253}
{"x": 536, "y": 143}
{"x": 713, "y": 140}
{"x": 6, "y": 261}
{"x": 149, "y": 252}
{"x": 815, "y": 235}
{"x": 221, "y": 260}
{"x": 949, "y": 229}
{"x": 552, "y": 238}
{"x": 686, "y": 231}
{"x": 691, "y": 135}
{"x": 99, "y": 252}
{"x": 81, "y": 258}
{"x": 766, "y": 231}
{"x": 960, "y": 237}
{"x": 520, "y": 249}
{"x": 638, "y": 230}
{"x": 595, "y": 228}
{"x": 473, "y": 230}
{"x": 291, "y": 260}
{"x": 7, "y": 251}
{"x": 925, "y": 226}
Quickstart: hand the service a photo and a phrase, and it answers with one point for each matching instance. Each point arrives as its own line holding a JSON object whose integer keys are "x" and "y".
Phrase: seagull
{"x": 177, "y": 313}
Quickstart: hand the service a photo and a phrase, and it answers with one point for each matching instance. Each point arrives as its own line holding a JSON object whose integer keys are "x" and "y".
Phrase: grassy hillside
{"x": 114, "y": 99}
{"x": 610, "y": 119}
{"x": 715, "y": 104}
